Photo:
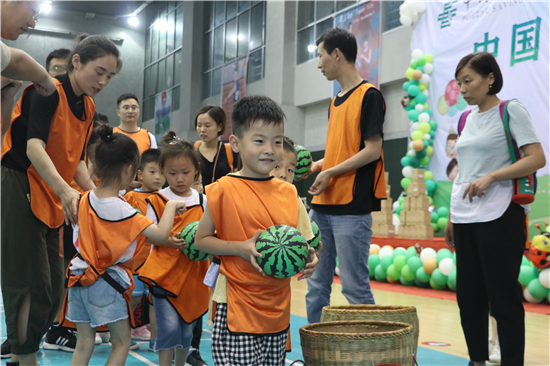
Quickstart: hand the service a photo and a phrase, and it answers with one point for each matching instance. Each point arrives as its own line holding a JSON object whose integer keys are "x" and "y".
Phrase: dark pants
{"x": 197, "y": 334}
{"x": 488, "y": 259}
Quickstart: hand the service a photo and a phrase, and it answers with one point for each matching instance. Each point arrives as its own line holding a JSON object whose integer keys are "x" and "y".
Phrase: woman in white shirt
{"x": 485, "y": 227}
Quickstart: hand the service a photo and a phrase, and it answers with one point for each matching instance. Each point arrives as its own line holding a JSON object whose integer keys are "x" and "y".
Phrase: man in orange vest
{"x": 351, "y": 179}
{"x": 128, "y": 112}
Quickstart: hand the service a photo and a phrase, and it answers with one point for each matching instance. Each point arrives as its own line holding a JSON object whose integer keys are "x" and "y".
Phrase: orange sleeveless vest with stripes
{"x": 140, "y": 137}
{"x": 239, "y": 206}
{"x": 169, "y": 269}
{"x": 137, "y": 199}
{"x": 68, "y": 137}
{"x": 343, "y": 142}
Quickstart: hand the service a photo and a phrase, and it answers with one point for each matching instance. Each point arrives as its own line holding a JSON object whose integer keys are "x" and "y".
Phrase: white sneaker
{"x": 494, "y": 356}
{"x": 491, "y": 345}
{"x": 98, "y": 339}
{"x": 105, "y": 337}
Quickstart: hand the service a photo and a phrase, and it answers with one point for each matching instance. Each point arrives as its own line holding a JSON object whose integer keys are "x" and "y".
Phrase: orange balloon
{"x": 430, "y": 264}
{"x": 417, "y": 74}
{"x": 418, "y": 145}
{"x": 374, "y": 250}
{"x": 387, "y": 246}
{"x": 391, "y": 281}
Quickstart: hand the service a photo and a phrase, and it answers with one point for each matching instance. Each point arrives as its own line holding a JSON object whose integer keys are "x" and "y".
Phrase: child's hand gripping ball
{"x": 190, "y": 251}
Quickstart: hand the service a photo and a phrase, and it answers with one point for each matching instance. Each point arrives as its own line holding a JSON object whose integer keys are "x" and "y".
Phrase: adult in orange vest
{"x": 43, "y": 150}
{"x": 351, "y": 182}
{"x": 128, "y": 112}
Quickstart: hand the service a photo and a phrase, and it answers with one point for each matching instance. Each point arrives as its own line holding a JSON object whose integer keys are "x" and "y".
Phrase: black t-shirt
{"x": 372, "y": 121}
{"x": 222, "y": 167}
{"x": 37, "y": 112}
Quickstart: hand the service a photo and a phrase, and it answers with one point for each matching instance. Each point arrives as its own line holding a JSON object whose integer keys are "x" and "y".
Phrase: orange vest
{"x": 137, "y": 199}
{"x": 68, "y": 137}
{"x": 228, "y": 152}
{"x": 141, "y": 138}
{"x": 240, "y": 206}
{"x": 101, "y": 244}
{"x": 169, "y": 269}
{"x": 343, "y": 142}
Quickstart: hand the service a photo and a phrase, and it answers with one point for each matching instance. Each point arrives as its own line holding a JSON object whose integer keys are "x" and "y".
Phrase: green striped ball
{"x": 284, "y": 251}
{"x": 188, "y": 234}
{"x": 314, "y": 243}
{"x": 303, "y": 162}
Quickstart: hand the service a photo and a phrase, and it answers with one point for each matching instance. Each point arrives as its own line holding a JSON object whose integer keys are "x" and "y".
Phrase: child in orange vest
{"x": 175, "y": 281}
{"x": 287, "y": 166}
{"x": 151, "y": 179}
{"x": 107, "y": 238}
{"x": 253, "y": 310}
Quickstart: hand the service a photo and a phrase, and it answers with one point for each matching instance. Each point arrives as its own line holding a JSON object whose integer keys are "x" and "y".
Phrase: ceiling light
{"x": 311, "y": 48}
{"x": 241, "y": 36}
{"x": 46, "y": 7}
{"x": 133, "y": 21}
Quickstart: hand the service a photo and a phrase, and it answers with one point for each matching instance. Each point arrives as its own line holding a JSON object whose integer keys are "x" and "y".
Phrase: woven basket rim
{"x": 309, "y": 329}
{"x": 369, "y": 308}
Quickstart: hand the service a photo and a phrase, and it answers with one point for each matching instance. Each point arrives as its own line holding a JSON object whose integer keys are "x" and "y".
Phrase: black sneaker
{"x": 6, "y": 349}
{"x": 195, "y": 359}
{"x": 60, "y": 338}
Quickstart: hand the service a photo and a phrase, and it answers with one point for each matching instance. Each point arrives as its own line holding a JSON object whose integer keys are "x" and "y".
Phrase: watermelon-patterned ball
{"x": 188, "y": 234}
{"x": 303, "y": 162}
{"x": 314, "y": 243}
{"x": 284, "y": 251}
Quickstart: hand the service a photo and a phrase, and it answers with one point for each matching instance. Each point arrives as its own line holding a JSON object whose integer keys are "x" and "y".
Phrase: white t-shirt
{"x": 6, "y": 55}
{"x": 112, "y": 209}
{"x": 481, "y": 149}
{"x": 192, "y": 200}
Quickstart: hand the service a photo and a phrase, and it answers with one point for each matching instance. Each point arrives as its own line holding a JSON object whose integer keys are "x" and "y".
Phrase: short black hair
{"x": 288, "y": 145}
{"x": 126, "y": 96}
{"x": 483, "y": 63}
{"x": 341, "y": 39}
{"x": 59, "y": 53}
{"x": 254, "y": 108}
{"x": 149, "y": 156}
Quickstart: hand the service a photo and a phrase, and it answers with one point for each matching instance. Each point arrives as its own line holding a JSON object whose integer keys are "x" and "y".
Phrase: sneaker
{"x": 134, "y": 346}
{"x": 152, "y": 343}
{"x": 495, "y": 354}
{"x": 6, "y": 349}
{"x": 195, "y": 359}
{"x": 60, "y": 338}
{"x": 105, "y": 337}
{"x": 98, "y": 339}
{"x": 141, "y": 334}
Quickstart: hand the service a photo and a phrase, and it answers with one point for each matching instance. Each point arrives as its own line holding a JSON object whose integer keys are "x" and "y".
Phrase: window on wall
{"x": 390, "y": 11}
{"x": 315, "y": 18}
{"x": 163, "y": 39}
{"x": 232, "y": 29}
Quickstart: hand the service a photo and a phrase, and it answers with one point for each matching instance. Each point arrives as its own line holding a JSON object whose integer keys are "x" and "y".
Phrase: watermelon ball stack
{"x": 284, "y": 251}
{"x": 190, "y": 251}
{"x": 314, "y": 243}
{"x": 303, "y": 162}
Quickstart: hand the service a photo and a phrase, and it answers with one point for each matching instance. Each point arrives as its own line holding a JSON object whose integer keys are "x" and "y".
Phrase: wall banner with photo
{"x": 163, "y": 108}
{"x": 233, "y": 88}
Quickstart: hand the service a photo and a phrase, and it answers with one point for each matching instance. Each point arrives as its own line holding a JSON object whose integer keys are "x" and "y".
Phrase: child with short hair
{"x": 287, "y": 166}
{"x": 151, "y": 179}
{"x": 107, "y": 241}
{"x": 175, "y": 281}
{"x": 253, "y": 311}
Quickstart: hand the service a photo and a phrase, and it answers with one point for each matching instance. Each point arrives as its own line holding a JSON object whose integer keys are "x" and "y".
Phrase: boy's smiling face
{"x": 286, "y": 167}
{"x": 260, "y": 148}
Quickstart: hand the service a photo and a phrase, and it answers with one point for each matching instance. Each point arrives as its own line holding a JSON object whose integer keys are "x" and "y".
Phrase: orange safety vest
{"x": 239, "y": 207}
{"x": 68, "y": 137}
{"x": 141, "y": 138}
{"x": 169, "y": 269}
{"x": 101, "y": 244}
{"x": 137, "y": 199}
{"x": 343, "y": 142}
{"x": 228, "y": 152}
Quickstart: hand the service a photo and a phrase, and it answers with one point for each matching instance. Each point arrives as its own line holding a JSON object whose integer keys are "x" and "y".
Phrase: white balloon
{"x": 423, "y": 117}
{"x": 428, "y": 68}
{"x": 426, "y": 92}
{"x": 427, "y": 253}
{"x": 530, "y": 298}
{"x": 385, "y": 251}
{"x": 419, "y": 107}
{"x": 420, "y": 6}
{"x": 405, "y": 20}
{"x": 416, "y": 54}
{"x": 427, "y": 137}
{"x": 425, "y": 79}
{"x": 544, "y": 277}
{"x": 396, "y": 222}
{"x": 414, "y": 16}
{"x": 411, "y": 145}
{"x": 412, "y": 153}
{"x": 416, "y": 126}
{"x": 395, "y": 205}
{"x": 401, "y": 248}
{"x": 402, "y": 8}
{"x": 407, "y": 172}
{"x": 375, "y": 245}
{"x": 446, "y": 266}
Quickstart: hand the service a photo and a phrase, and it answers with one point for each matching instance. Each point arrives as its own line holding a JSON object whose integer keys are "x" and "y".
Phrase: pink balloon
{"x": 452, "y": 93}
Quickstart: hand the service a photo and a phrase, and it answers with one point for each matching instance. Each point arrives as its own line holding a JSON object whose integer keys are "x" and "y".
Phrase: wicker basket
{"x": 357, "y": 342}
{"x": 394, "y": 313}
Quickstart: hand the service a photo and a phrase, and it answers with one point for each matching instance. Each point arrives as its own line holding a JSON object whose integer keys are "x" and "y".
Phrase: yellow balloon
{"x": 442, "y": 106}
{"x": 374, "y": 250}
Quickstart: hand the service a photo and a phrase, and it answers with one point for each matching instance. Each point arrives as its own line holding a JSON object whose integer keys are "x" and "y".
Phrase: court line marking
{"x": 142, "y": 359}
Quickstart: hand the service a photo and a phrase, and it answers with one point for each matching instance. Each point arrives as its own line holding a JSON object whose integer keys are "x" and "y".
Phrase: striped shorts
{"x": 245, "y": 350}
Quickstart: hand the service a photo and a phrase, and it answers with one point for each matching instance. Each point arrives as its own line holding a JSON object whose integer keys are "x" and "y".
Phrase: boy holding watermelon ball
{"x": 252, "y": 310}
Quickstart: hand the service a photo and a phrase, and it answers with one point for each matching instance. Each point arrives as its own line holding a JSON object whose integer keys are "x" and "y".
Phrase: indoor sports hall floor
{"x": 439, "y": 323}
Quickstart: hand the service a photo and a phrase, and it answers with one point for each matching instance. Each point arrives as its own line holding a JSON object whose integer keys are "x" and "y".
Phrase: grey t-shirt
{"x": 482, "y": 147}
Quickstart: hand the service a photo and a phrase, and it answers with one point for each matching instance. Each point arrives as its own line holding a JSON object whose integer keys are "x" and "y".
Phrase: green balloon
{"x": 413, "y": 90}
{"x": 435, "y": 216}
{"x": 439, "y": 277}
{"x": 397, "y": 252}
{"x": 424, "y": 127}
{"x": 454, "y": 257}
{"x": 421, "y": 284}
{"x": 374, "y": 260}
{"x": 407, "y": 274}
{"x": 414, "y": 65}
{"x": 443, "y": 211}
{"x": 406, "y": 85}
{"x": 436, "y": 228}
{"x": 401, "y": 201}
{"x": 427, "y": 110}
{"x": 398, "y": 210}
{"x": 425, "y": 160}
{"x": 421, "y": 61}
{"x": 414, "y": 162}
{"x": 411, "y": 252}
{"x": 405, "y": 282}
{"x": 409, "y": 73}
{"x": 420, "y": 98}
{"x": 433, "y": 125}
{"x": 442, "y": 222}
{"x": 405, "y": 182}
{"x": 414, "y": 264}
{"x": 442, "y": 254}
{"x": 524, "y": 261}
{"x": 380, "y": 274}
{"x": 435, "y": 285}
{"x": 386, "y": 262}
{"x": 393, "y": 273}
{"x": 527, "y": 274}
{"x": 537, "y": 290}
{"x": 451, "y": 280}
{"x": 422, "y": 275}
{"x": 413, "y": 115}
{"x": 399, "y": 262}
